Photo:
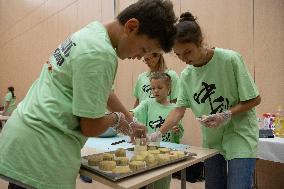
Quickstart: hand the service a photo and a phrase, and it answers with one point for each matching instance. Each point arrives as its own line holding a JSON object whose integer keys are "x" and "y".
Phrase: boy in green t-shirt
{"x": 155, "y": 63}
{"x": 67, "y": 103}
{"x": 153, "y": 112}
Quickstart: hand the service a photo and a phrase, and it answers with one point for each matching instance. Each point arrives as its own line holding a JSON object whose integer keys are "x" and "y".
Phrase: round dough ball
{"x": 163, "y": 158}
{"x": 107, "y": 165}
{"x": 122, "y": 161}
{"x": 154, "y": 152}
{"x": 95, "y": 160}
{"x": 120, "y": 152}
{"x": 136, "y": 165}
{"x": 151, "y": 160}
{"x": 108, "y": 157}
{"x": 137, "y": 158}
{"x": 144, "y": 153}
{"x": 152, "y": 147}
{"x": 164, "y": 150}
{"x": 121, "y": 170}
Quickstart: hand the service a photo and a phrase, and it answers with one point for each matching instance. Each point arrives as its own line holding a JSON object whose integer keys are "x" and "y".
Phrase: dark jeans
{"x": 14, "y": 186}
{"x": 233, "y": 174}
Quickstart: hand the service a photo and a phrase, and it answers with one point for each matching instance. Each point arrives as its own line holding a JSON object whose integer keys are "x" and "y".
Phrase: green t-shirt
{"x": 142, "y": 89}
{"x": 153, "y": 115}
{"x": 46, "y": 123}
{"x": 215, "y": 87}
{"x": 12, "y": 103}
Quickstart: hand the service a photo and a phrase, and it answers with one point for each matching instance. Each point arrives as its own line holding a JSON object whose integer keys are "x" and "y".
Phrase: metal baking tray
{"x": 129, "y": 153}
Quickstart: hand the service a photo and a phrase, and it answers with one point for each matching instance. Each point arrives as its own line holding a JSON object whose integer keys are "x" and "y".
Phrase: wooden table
{"x": 149, "y": 177}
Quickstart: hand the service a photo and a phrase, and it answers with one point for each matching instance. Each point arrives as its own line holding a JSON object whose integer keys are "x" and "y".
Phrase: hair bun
{"x": 187, "y": 16}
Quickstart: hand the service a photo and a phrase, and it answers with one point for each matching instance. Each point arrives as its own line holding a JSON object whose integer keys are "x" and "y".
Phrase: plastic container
{"x": 266, "y": 120}
{"x": 140, "y": 141}
{"x": 279, "y": 122}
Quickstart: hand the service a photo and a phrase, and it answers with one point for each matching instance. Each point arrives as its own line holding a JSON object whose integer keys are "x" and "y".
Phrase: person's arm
{"x": 173, "y": 119}
{"x": 245, "y": 106}
{"x": 216, "y": 120}
{"x": 136, "y": 103}
{"x": 94, "y": 127}
{"x": 115, "y": 105}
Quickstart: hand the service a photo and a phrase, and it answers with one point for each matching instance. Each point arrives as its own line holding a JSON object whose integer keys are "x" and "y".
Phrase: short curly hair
{"x": 157, "y": 19}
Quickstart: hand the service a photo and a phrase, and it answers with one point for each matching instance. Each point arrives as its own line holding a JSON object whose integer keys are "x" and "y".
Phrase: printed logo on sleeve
{"x": 63, "y": 51}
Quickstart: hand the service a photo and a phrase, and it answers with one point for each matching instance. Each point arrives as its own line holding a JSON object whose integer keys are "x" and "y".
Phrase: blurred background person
{"x": 9, "y": 103}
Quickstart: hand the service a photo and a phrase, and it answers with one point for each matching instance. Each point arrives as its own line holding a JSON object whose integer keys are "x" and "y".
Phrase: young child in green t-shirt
{"x": 155, "y": 63}
{"x": 153, "y": 112}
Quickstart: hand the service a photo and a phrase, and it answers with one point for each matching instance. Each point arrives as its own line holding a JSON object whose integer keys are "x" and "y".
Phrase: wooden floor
{"x": 175, "y": 184}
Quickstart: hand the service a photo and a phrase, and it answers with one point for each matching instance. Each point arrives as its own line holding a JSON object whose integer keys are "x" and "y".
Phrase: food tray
{"x": 129, "y": 153}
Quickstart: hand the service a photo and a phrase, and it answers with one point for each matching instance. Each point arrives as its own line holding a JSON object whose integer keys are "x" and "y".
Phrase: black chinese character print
{"x": 217, "y": 105}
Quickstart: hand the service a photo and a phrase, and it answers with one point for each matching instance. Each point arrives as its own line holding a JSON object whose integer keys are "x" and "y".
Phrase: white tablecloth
{"x": 271, "y": 149}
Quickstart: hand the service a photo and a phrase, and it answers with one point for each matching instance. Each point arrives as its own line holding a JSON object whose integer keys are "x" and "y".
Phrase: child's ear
{"x": 131, "y": 25}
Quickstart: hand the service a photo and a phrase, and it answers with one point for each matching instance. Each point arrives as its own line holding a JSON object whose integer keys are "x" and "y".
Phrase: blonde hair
{"x": 161, "y": 65}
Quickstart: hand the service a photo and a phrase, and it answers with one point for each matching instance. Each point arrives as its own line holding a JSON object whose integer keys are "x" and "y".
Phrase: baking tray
{"x": 129, "y": 153}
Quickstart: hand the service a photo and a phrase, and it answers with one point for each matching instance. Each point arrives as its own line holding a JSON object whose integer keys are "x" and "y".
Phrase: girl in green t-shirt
{"x": 10, "y": 102}
{"x": 218, "y": 88}
{"x": 153, "y": 112}
{"x": 155, "y": 63}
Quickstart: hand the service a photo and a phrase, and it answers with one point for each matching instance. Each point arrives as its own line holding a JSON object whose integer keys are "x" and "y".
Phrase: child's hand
{"x": 215, "y": 120}
{"x": 135, "y": 126}
{"x": 154, "y": 137}
{"x": 175, "y": 129}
